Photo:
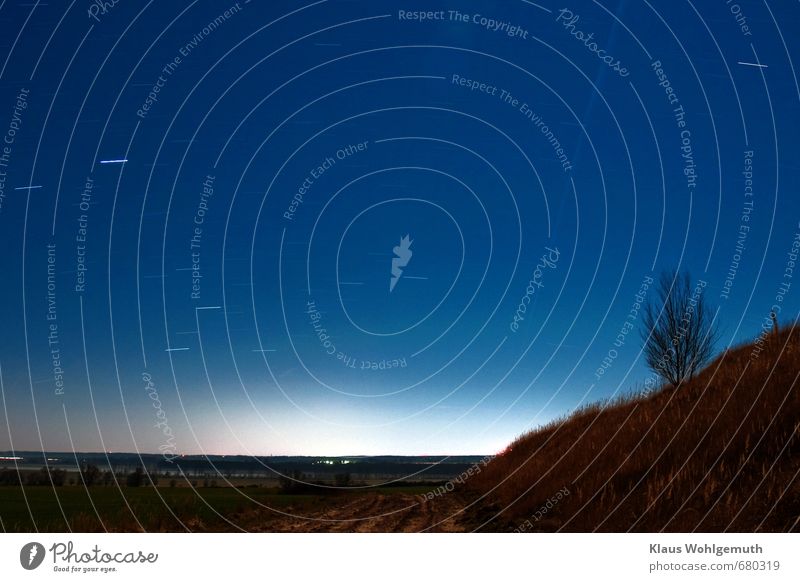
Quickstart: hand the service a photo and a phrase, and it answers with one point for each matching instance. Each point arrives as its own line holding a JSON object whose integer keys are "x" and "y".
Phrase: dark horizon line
{"x": 15, "y": 453}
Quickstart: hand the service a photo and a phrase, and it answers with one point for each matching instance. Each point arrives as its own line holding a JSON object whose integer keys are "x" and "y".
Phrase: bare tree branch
{"x": 679, "y": 331}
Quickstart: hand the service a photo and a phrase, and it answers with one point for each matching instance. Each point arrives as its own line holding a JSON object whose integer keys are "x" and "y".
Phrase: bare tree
{"x": 90, "y": 474}
{"x": 679, "y": 331}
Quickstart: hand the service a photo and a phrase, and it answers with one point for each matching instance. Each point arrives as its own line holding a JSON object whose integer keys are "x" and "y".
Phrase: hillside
{"x": 717, "y": 454}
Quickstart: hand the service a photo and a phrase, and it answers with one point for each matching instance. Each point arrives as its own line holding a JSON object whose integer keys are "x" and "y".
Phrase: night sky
{"x": 351, "y": 227}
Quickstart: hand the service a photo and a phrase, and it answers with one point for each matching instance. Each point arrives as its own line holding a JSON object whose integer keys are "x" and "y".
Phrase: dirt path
{"x": 370, "y": 512}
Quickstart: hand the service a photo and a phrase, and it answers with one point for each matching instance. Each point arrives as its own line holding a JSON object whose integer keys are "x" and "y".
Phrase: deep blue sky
{"x": 261, "y": 99}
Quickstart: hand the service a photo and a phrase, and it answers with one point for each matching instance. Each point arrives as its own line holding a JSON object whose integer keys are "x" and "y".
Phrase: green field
{"x": 130, "y": 509}
{"x": 101, "y": 508}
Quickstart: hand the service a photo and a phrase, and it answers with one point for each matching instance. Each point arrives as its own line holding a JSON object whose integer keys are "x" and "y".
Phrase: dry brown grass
{"x": 717, "y": 454}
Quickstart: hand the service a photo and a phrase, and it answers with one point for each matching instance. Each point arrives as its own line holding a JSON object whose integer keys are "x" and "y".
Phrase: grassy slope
{"x": 720, "y": 453}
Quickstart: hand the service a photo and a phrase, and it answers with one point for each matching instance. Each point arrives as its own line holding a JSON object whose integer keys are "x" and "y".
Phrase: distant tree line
{"x": 297, "y": 482}
{"x": 89, "y": 476}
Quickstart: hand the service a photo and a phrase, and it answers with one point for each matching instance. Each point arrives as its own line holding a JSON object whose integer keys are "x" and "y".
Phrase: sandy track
{"x": 370, "y": 512}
